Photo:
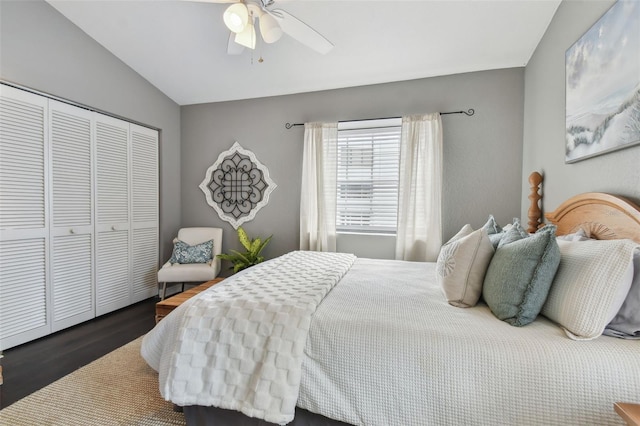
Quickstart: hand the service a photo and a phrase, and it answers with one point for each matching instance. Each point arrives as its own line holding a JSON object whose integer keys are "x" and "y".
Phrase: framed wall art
{"x": 237, "y": 185}
{"x": 603, "y": 85}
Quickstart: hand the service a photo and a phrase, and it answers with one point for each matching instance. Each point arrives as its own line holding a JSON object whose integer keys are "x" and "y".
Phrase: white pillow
{"x": 580, "y": 235}
{"x": 590, "y": 286}
{"x": 462, "y": 264}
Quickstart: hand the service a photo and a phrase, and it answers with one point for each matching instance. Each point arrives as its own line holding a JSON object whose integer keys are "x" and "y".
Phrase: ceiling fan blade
{"x": 234, "y": 48}
{"x": 301, "y": 31}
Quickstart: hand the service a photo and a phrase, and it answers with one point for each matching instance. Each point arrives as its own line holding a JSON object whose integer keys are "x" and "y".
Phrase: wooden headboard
{"x": 601, "y": 216}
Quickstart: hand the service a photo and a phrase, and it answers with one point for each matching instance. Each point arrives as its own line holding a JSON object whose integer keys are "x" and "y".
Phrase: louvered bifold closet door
{"x": 144, "y": 212}
{"x": 71, "y": 215}
{"x": 113, "y": 269}
{"x": 24, "y": 233}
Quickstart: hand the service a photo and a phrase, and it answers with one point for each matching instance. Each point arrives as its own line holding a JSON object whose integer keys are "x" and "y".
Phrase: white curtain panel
{"x": 318, "y": 194}
{"x": 419, "y": 234}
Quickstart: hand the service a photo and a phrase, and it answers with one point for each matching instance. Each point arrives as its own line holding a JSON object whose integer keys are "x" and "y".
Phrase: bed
{"x": 383, "y": 346}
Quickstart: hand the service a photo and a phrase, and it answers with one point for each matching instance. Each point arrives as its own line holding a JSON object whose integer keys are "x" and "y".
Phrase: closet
{"x": 78, "y": 215}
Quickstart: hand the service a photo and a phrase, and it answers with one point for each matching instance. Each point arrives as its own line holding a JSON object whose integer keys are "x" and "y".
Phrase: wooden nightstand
{"x": 167, "y": 305}
{"x": 629, "y": 412}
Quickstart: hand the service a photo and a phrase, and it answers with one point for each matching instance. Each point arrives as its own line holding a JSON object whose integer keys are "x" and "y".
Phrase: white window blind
{"x": 367, "y": 181}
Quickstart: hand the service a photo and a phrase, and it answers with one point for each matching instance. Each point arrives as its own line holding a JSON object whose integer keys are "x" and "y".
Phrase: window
{"x": 367, "y": 181}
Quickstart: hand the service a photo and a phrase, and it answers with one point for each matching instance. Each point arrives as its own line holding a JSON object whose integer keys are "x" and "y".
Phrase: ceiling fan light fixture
{"x": 236, "y": 17}
{"x": 247, "y": 37}
{"x": 270, "y": 29}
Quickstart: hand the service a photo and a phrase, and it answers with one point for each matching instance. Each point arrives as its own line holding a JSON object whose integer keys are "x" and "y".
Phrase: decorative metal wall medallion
{"x": 237, "y": 185}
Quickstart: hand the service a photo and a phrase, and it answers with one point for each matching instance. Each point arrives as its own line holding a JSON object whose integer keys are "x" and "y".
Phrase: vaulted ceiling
{"x": 181, "y": 46}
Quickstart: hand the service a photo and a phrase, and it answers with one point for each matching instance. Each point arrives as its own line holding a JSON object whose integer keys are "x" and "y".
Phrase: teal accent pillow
{"x": 184, "y": 253}
{"x": 492, "y": 226}
{"x": 494, "y": 231}
{"x": 495, "y": 239}
{"x": 520, "y": 274}
{"x": 514, "y": 233}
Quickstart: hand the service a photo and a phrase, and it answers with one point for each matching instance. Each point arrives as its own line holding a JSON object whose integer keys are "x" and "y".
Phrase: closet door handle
{"x": 113, "y": 227}
{"x": 71, "y": 231}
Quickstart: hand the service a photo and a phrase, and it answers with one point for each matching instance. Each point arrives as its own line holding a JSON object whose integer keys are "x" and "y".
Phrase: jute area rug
{"x": 117, "y": 389}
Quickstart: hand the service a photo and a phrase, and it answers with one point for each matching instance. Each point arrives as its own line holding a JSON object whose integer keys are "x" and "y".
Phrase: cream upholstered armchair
{"x": 193, "y": 272}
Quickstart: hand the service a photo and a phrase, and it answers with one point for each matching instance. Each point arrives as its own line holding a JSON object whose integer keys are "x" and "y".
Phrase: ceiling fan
{"x": 242, "y": 15}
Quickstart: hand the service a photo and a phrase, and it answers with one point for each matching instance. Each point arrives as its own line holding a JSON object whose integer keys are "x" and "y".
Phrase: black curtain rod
{"x": 468, "y": 113}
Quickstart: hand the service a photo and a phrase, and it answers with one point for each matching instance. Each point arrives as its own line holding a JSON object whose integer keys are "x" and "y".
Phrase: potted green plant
{"x": 250, "y": 257}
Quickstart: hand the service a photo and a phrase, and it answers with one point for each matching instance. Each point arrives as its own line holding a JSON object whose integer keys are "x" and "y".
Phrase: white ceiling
{"x": 180, "y": 46}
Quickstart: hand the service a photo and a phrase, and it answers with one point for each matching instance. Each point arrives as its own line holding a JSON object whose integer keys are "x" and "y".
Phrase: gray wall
{"x": 544, "y": 119}
{"x": 41, "y": 49}
{"x": 482, "y": 154}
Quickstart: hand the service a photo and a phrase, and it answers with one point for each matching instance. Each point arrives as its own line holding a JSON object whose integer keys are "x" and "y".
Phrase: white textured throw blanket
{"x": 240, "y": 346}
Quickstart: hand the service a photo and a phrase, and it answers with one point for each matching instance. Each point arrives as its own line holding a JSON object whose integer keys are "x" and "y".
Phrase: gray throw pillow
{"x": 520, "y": 274}
{"x": 626, "y": 323}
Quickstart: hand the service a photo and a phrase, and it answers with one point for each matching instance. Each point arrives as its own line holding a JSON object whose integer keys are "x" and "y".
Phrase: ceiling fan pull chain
{"x": 260, "y": 44}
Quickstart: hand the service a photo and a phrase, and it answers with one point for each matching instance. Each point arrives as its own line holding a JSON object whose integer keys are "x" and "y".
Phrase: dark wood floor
{"x": 33, "y": 365}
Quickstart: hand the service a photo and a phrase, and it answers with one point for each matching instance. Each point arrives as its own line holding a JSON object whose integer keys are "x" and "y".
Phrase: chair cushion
{"x": 192, "y": 272}
{"x": 196, "y": 235}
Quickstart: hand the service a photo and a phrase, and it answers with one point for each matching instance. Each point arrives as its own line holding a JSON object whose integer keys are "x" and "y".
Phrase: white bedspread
{"x": 385, "y": 348}
{"x": 240, "y": 344}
